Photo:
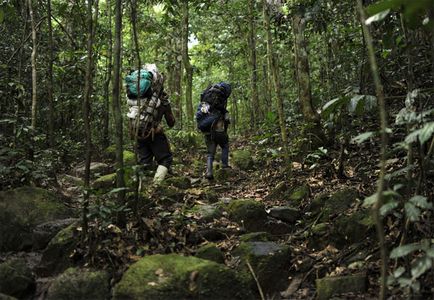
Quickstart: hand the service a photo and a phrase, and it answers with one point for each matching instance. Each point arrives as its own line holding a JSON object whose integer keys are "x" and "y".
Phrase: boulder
{"x": 223, "y": 174}
{"x": 168, "y": 195}
{"x": 349, "y": 229}
{"x": 21, "y": 210}
{"x": 298, "y": 194}
{"x": 270, "y": 263}
{"x": 43, "y": 233}
{"x": 177, "y": 277}
{"x": 96, "y": 168}
{"x": 328, "y": 286}
{"x": 180, "y": 182}
{"x": 284, "y": 213}
{"x": 242, "y": 159}
{"x": 211, "y": 252}
{"x": 334, "y": 204}
{"x": 249, "y": 213}
{"x": 80, "y": 284}
{"x": 129, "y": 159}
{"x": 56, "y": 257}
{"x": 206, "y": 213}
{"x": 105, "y": 182}
{"x": 278, "y": 192}
{"x": 256, "y": 237}
{"x": 16, "y": 278}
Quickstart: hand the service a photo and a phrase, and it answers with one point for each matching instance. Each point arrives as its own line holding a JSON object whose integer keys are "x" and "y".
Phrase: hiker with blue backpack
{"x": 212, "y": 120}
{"x": 146, "y": 110}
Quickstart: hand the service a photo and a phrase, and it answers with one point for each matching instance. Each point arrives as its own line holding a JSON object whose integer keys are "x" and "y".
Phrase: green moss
{"x": 21, "y": 210}
{"x": 349, "y": 229}
{"x": 180, "y": 182}
{"x": 92, "y": 285}
{"x": 336, "y": 203}
{"x": 248, "y": 212}
{"x": 211, "y": 252}
{"x": 206, "y": 212}
{"x": 329, "y": 286}
{"x": 105, "y": 182}
{"x": 176, "y": 277}
{"x": 16, "y": 278}
{"x": 299, "y": 193}
{"x": 242, "y": 159}
{"x": 129, "y": 159}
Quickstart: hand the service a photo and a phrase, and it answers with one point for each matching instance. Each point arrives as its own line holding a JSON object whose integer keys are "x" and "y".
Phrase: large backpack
{"x": 215, "y": 96}
{"x": 145, "y": 78}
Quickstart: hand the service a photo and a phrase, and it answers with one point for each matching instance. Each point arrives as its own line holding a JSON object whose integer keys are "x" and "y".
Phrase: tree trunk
{"x": 187, "y": 66}
{"x": 86, "y": 112}
{"x": 302, "y": 70}
{"x": 254, "y": 110}
{"x": 178, "y": 83}
{"x": 33, "y": 58}
{"x": 50, "y": 78}
{"x": 274, "y": 68}
{"x": 116, "y": 103}
{"x": 106, "y": 114}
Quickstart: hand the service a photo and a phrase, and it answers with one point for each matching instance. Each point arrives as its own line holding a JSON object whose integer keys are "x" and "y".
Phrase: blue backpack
{"x": 145, "y": 83}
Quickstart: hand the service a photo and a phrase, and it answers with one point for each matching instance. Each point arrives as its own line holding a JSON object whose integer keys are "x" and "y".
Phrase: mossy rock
{"x": 329, "y": 286}
{"x": 55, "y": 258}
{"x": 129, "y": 159}
{"x": 211, "y": 252}
{"x": 167, "y": 195}
{"x": 242, "y": 159}
{"x": 349, "y": 229}
{"x": 261, "y": 236}
{"x": 180, "y": 182}
{"x": 250, "y": 213}
{"x": 285, "y": 213}
{"x": 206, "y": 213}
{"x": 177, "y": 277}
{"x": 107, "y": 182}
{"x": 334, "y": 204}
{"x": 16, "y": 278}
{"x": 21, "y": 210}
{"x": 95, "y": 169}
{"x": 80, "y": 284}
{"x": 299, "y": 194}
{"x": 270, "y": 263}
{"x": 278, "y": 192}
{"x": 209, "y": 195}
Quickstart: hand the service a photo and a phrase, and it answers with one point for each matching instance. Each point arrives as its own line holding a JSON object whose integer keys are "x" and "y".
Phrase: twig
{"x": 261, "y": 293}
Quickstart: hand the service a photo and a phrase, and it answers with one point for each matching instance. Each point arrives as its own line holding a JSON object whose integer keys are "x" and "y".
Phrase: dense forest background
{"x": 343, "y": 88}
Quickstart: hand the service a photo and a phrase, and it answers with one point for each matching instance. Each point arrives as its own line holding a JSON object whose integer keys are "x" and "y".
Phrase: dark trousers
{"x": 157, "y": 148}
{"x": 212, "y": 143}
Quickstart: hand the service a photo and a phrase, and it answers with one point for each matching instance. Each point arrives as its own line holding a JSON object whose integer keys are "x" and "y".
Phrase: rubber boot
{"x": 208, "y": 174}
{"x": 160, "y": 174}
{"x": 225, "y": 156}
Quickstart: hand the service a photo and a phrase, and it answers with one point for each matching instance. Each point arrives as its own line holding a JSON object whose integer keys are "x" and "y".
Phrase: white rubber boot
{"x": 160, "y": 174}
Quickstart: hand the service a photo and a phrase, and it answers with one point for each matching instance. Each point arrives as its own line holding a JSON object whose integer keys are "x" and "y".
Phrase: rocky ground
{"x": 256, "y": 231}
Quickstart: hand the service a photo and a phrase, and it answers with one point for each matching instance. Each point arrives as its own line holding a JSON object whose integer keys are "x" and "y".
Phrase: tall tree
{"x": 109, "y": 64}
{"x": 88, "y": 87}
{"x": 274, "y": 68}
{"x": 254, "y": 113}
{"x": 116, "y": 103}
{"x": 186, "y": 61}
{"x": 50, "y": 77}
{"x": 33, "y": 58}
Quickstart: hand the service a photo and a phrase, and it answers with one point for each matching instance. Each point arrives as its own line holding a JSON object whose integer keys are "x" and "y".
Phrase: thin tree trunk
{"x": 106, "y": 115}
{"x": 50, "y": 78}
{"x": 254, "y": 111}
{"x": 33, "y": 58}
{"x": 381, "y": 182}
{"x": 274, "y": 68}
{"x": 178, "y": 83}
{"x": 187, "y": 65}
{"x": 302, "y": 70}
{"x": 116, "y": 103}
{"x": 86, "y": 113}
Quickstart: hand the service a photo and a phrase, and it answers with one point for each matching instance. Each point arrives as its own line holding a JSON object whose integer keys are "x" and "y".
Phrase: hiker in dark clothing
{"x": 213, "y": 119}
{"x": 152, "y": 143}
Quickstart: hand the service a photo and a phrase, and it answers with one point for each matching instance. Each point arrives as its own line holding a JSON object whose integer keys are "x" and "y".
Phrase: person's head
{"x": 227, "y": 88}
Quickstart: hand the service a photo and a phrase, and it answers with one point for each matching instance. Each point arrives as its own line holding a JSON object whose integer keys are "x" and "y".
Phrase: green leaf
{"x": 369, "y": 201}
{"x": 421, "y": 202}
{"x": 421, "y": 265}
{"x": 377, "y": 17}
{"x": 412, "y": 212}
{"x": 388, "y": 207}
{"x": 398, "y": 272}
{"x": 363, "y": 137}
{"x": 430, "y": 252}
{"x": 423, "y": 134}
{"x": 404, "y": 250}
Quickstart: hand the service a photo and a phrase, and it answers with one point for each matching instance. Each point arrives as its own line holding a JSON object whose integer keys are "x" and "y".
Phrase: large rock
{"x": 260, "y": 236}
{"x": 96, "y": 168}
{"x": 328, "y": 286}
{"x": 43, "y": 233}
{"x": 16, "y": 278}
{"x": 349, "y": 229}
{"x": 334, "y": 204}
{"x": 21, "y": 210}
{"x": 56, "y": 257}
{"x": 177, "y": 277}
{"x": 211, "y": 252}
{"x": 298, "y": 194}
{"x": 284, "y": 213}
{"x": 269, "y": 261}
{"x": 129, "y": 157}
{"x": 206, "y": 212}
{"x": 180, "y": 182}
{"x": 249, "y": 213}
{"x": 242, "y": 159}
{"x": 80, "y": 284}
